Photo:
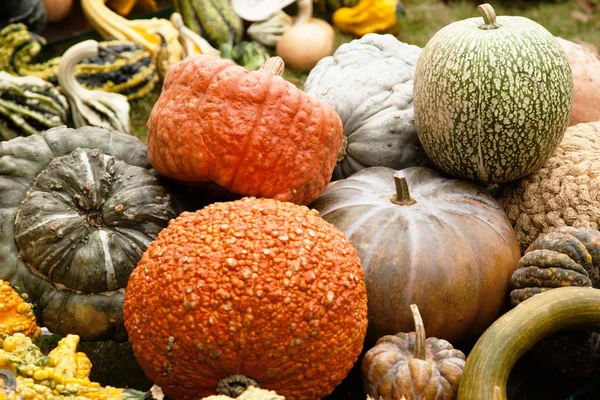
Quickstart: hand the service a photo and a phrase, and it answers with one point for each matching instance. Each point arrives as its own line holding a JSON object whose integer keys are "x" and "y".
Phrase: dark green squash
{"x": 121, "y": 66}
{"x": 29, "y": 105}
{"x": 78, "y": 209}
{"x": 567, "y": 257}
{"x": 29, "y": 12}
{"x": 214, "y": 20}
{"x": 327, "y": 7}
{"x": 513, "y": 334}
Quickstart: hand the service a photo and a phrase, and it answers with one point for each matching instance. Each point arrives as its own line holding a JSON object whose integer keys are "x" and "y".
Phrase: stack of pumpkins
{"x": 282, "y": 286}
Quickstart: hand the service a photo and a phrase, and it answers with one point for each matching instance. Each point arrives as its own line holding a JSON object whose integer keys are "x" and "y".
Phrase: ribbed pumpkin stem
{"x": 343, "y": 152}
{"x": 420, "y": 338}
{"x": 273, "y": 66}
{"x": 402, "y": 193}
{"x": 489, "y": 17}
{"x": 235, "y": 385}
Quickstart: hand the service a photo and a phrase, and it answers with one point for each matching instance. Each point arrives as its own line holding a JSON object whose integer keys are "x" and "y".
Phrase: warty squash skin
{"x": 493, "y": 97}
{"x": 78, "y": 209}
{"x": 442, "y": 244}
{"x": 16, "y": 315}
{"x": 253, "y": 287}
{"x": 252, "y": 133}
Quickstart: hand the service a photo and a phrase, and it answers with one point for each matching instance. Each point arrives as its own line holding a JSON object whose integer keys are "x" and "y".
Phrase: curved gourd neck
{"x": 66, "y": 77}
{"x": 305, "y": 10}
{"x": 489, "y": 17}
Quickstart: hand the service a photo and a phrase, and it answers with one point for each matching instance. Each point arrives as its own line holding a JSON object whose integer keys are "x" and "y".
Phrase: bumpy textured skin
{"x": 249, "y": 132}
{"x": 492, "y": 105}
{"x": 16, "y": 316}
{"x": 565, "y": 257}
{"x": 255, "y": 287}
{"x": 562, "y": 192}
{"x": 585, "y": 66}
{"x": 369, "y": 82}
{"x": 460, "y": 287}
{"x": 390, "y": 370}
{"x": 78, "y": 209}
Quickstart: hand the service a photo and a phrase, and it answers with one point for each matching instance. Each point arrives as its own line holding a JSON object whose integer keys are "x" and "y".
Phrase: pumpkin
{"x": 62, "y": 374}
{"x": 565, "y": 257}
{"x": 442, "y": 244}
{"x": 91, "y": 107}
{"x": 29, "y": 105}
{"x": 412, "y": 366}
{"x": 307, "y": 41}
{"x": 75, "y": 224}
{"x": 253, "y": 287}
{"x": 513, "y": 334}
{"x": 562, "y": 192}
{"x": 492, "y": 97}
{"x": 369, "y": 83}
{"x": 585, "y": 66}
{"x": 214, "y": 20}
{"x": 57, "y": 9}
{"x": 252, "y": 133}
{"x": 369, "y": 16}
{"x": 120, "y": 66}
{"x": 16, "y": 315}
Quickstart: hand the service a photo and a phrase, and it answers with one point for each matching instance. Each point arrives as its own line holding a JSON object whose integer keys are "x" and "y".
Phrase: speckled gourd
{"x": 492, "y": 97}
{"x": 369, "y": 82}
{"x": 563, "y": 192}
{"x": 78, "y": 209}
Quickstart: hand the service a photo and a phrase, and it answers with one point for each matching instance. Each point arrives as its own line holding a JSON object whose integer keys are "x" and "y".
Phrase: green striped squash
{"x": 29, "y": 105}
{"x": 492, "y": 97}
{"x": 328, "y": 7}
{"x": 214, "y": 20}
{"x": 132, "y": 73}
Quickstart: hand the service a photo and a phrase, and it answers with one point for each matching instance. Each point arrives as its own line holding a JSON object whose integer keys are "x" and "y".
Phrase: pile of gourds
{"x": 267, "y": 236}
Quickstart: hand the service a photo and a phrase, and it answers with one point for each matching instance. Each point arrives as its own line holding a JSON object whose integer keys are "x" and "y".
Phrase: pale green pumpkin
{"x": 492, "y": 97}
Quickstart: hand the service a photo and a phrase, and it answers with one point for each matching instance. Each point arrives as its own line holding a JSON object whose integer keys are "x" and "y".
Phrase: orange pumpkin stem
{"x": 234, "y": 385}
{"x": 420, "y": 338}
{"x": 402, "y": 193}
{"x": 273, "y": 66}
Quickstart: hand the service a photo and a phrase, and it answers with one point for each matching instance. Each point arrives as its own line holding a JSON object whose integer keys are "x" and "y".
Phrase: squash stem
{"x": 273, "y": 66}
{"x": 402, "y": 193}
{"x": 420, "y": 338}
{"x": 343, "y": 152}
{"x": 305, "y": 11}
{"x": 489, "y": 17}
{"x": 234, "y": 385}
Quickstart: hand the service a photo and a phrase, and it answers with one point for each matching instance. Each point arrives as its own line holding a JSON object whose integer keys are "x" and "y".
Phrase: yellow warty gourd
{"x": 15, "y": 314}
{"x": 368, "y": 16}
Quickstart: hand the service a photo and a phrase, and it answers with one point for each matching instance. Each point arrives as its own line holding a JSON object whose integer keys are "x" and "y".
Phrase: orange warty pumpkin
{"x": 252, "y": 133}
{"x": 16, "y": 315}
{"x": 253, "y": 289}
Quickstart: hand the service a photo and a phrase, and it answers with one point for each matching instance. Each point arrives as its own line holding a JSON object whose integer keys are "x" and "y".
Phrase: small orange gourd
{"x": 16, "y": 315}
{"x": 252, "y": 291}
{"x": 252, "y": 133}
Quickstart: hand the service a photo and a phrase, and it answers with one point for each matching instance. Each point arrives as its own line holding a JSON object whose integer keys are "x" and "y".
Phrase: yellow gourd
{"x": 368, "y": 16}
{"x": 15, "y": 314}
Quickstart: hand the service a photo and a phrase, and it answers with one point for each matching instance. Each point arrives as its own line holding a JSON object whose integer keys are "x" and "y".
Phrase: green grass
{"x": 425, "y": 17}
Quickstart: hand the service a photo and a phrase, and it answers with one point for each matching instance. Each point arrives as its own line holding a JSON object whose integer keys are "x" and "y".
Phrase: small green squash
{"x": 29, "y": 105}
{"x": 327, "y": 7}
{"x": 513, "y": 334}
{"x": 492, "y": 97}
{"x": 214, "y": 20}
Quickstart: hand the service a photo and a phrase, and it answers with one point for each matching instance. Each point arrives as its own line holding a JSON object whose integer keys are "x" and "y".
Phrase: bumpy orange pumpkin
{"x": 16, "y": 316}
{"x": 252, "y": 133}
{"x": 254, "y": 287}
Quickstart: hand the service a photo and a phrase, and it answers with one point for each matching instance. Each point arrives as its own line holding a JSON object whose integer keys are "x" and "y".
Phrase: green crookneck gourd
{"x": 79, "y": 207}
{"x": 269, "y": 32}
{"x": 91, "y": 107}
{"x": 121, "y": 66}
{"x": 29, "y": 105}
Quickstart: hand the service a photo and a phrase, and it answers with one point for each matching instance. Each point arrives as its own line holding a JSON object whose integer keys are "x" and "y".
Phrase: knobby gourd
{"x": 397, "y": 220}
{"x": 369, "y": 82}
{"x": 16, "y": 315}
{"x": 412, "y": 366}
{"x": 514, "y": 333}
{"x": 252, "y": 133}
{"x": 76, "y": 222}
{"x": 369, "y": 16}
{"x": 253, "y": 287}
{"x": 492, "y": 97}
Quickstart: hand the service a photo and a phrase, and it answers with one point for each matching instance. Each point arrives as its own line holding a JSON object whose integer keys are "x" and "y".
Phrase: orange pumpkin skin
{"x": 256, "y": 287}
{"x": 252, "y": 133}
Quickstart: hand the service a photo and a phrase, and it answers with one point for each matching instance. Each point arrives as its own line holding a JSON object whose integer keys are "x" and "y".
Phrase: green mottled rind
{"x": 214, "y": 20}
{"x": 37, "y": 232}
{"x": 29, "y": 105}
{"x": 492, "y": 105}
